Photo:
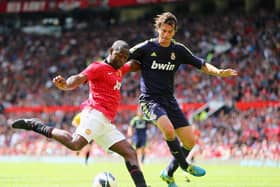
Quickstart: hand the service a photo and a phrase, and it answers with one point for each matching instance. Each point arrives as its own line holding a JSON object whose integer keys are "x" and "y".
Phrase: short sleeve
{"x": 137, "y": 51}
{"x": 188, "y": 57}
{"x": 125, "y": 68}
{"x": 91, "y": 71}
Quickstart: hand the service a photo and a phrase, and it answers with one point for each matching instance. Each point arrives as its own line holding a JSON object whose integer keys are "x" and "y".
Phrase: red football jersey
{"x": 104, "y": 87}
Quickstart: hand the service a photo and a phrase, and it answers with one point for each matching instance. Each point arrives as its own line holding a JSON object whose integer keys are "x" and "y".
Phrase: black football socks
{"x": 173, "y": 165}
{"x": 136, "y": 174}
{"x": 178, "y": 153}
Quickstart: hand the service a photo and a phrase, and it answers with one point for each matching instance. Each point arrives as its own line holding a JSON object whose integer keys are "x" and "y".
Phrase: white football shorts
{"x": 94, "y": 125}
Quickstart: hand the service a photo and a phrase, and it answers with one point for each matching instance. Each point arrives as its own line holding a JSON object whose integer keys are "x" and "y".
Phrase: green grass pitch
{"x": 40, "y": 174}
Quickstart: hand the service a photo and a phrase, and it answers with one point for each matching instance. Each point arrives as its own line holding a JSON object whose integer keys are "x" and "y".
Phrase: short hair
{"x": 165, "y": 18}
{"x": 119, "y": 45}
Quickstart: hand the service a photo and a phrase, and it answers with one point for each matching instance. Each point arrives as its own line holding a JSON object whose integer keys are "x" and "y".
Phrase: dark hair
{"x": 119, "y": 45}
{"x": 166, "y": 18}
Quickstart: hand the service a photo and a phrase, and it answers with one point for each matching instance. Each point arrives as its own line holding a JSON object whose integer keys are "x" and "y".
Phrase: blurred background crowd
{"x": 248, "y": 41}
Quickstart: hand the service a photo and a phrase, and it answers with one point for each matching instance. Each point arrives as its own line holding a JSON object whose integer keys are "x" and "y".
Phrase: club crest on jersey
{"x": 119, "y": 73}
{"x": 159, "y": 66}
{"x": 88, "y": 131}
{"x": 172, "y": 56}
{"x": 117, "y": 85}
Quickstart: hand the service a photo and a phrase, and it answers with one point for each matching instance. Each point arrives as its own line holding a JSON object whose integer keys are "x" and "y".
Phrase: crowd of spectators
{"x": 249, "y": 43}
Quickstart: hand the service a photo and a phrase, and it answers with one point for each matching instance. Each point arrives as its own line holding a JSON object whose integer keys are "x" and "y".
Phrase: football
{"x": 104, "y": 179}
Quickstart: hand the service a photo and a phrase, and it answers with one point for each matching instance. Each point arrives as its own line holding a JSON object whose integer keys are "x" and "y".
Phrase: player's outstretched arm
{"x": 70, "y": 83}
{"x": 212, "y": 70}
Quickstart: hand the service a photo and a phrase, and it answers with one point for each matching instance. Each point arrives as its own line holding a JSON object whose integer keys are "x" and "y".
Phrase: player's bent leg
{"x": 168, "y": 131}
{"x": 74, "y": 142}
{"x": 187, "y": 137}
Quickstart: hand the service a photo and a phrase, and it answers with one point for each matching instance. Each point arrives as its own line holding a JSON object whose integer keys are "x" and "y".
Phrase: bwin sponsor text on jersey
{"x": 166, "y": 67}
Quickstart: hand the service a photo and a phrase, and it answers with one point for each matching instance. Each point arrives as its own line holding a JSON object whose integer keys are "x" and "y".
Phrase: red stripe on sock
{"x": 134, "y": 170}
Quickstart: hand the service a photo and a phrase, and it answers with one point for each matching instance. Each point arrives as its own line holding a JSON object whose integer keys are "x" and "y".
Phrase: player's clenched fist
{"x": 59, "y": 82}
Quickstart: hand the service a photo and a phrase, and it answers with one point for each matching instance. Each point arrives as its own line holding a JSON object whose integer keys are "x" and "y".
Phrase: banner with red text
{"x": 118, "y": 3}
{"x": 22, "y": 6}
{"x": 27, "y": 6}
